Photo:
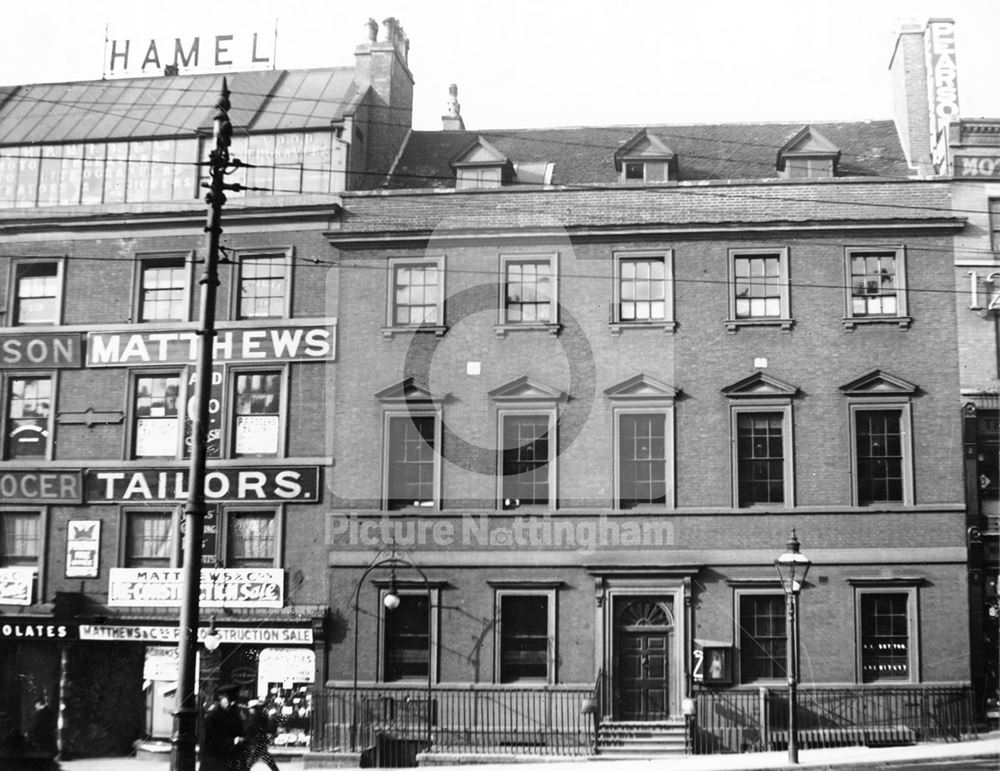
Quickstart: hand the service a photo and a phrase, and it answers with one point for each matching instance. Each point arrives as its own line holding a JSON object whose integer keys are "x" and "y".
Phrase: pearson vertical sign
{"x": 942, "y": 74}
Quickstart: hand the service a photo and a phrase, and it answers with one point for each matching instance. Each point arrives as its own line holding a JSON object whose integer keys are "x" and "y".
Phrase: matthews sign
{"x": 220, "y": 587}
{"x": 306, "y": 341}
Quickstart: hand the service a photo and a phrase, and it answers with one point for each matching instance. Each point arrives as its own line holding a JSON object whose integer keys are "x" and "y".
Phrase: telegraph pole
{"x": 182, "y": 756}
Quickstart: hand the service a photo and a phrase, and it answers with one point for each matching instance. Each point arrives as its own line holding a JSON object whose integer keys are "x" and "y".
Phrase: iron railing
{"x": 497, "y": 719}
{"x": 756, "y": 720}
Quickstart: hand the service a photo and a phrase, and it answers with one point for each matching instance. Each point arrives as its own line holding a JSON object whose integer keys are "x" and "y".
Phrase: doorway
{"x": 643, "y": 644}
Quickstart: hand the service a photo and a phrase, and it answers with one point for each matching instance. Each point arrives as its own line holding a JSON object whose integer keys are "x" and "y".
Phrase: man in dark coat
{"x": 221, "y": 748}
{"x": 43, "y": 727}
{"x": 258, "y": 734}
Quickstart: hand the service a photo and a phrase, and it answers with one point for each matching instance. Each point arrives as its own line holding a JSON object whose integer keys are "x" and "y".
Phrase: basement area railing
{"x": 489, "y": 719}
{"x": 756, "y": 719}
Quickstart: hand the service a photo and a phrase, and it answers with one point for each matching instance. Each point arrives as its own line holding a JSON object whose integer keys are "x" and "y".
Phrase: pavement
{"x": 981, "y": 748}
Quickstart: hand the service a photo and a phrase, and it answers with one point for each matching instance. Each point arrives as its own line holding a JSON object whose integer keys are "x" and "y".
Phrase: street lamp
{"x": 792, "y": 568}
{"x": 212, "y": 638}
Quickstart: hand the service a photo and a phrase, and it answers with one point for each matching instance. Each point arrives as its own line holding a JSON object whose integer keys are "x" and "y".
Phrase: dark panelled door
{"x": 643, "y": 662}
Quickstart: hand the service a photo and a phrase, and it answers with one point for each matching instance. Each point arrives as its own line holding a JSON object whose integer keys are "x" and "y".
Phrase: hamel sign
{"x": 229, "y": 50}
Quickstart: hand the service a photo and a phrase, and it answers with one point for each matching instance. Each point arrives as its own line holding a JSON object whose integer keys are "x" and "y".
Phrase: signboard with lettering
{"x": 149, "y": 55}
{"x": 16, "y": 585}
{"x": 83, "y": 548}
{"x": 24, "y": 629}
{"x": 977, "y": 165}
{"x": 41, "y": 487}
{"x": 216, "y": 405}
{"x": 262, "y": 483}
{"x": 161, "y": 662}
{"x": 942, "y": 74}
{"x": 298, "y": 342}
{"x": 40, "y": 350}
{"x": 220, "y": 587}
{"x": 256, "y": 635}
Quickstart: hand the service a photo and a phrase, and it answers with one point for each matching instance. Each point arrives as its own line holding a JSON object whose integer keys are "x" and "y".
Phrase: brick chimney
{"x": 911, "y": 109}
{"x": 452, "y": 119}
{"x": 381, "y": 64}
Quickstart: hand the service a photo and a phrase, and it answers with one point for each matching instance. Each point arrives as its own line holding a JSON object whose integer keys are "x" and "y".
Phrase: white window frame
{"x": 230, "y": 421}
{"x": 237, "y": 282}
{"x": 550, "y": 665}
{"x": 230, "y": 511}
{"x": 876, "y": 587}
{"x": 666, "y": 410}
{"x": 784, "y": 319}
{"x": 39, "y": 569}
{"x": 174, "y": 544}
{"x": 510, "y": 411}
{"x": 668, "y": 322}
{"x": 390, "y": 327}
{"x": 782, "y": 406}
{"x": 857, "y": 405}
{"x": 476, "y": 176}
{"x": 131, "y": 438}
{"x": 145, "y": 260}
{"x": 5, "y": 395}
{"x": 901, "y": 317}
{"x": 768, "y": 588}
{"x": 404, "y": 589}
{"x": 405, "y": 413}
{"x": 504, "y": 325}
{"x": 17, "y": 264}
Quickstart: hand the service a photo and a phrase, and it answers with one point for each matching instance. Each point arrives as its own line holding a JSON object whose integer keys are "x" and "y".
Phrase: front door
{"x": 643, "y": 642}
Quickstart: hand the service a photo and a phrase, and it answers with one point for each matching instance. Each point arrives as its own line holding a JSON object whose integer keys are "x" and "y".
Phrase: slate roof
{"x": 151, "y": 107}
{"x": 704, "y": 152}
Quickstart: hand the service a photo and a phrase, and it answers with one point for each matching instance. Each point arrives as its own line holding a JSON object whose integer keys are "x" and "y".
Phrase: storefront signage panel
{"x": 15, "y": 585}
{"x": 227, "y": 51}
{"x": 40, "y": 351}
{"x": 977, "y": 166}
{"x": 220, "y": 587}
{"x": 169, "y": 634}
{"x": 83, "y": 548}
{"x": 290, "y": 483}
{"x": 25, "y": 630}
{"x": 942, "y": 74}
{"x": 245, "y": 345}
{"x": 41, "y": 487}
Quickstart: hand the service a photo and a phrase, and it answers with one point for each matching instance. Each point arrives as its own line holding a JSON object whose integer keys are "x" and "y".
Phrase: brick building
{"x": 101, "y": 235}
{"x": 522, "y": 418}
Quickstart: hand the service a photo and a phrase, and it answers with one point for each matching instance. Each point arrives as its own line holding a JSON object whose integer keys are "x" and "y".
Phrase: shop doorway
{"x": 643, "y": 642}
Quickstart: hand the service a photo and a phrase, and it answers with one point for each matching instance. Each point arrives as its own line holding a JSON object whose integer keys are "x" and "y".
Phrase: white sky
{"x": 541, "y": 63}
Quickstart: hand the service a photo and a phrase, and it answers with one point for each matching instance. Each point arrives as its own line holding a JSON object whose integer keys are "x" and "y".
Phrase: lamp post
{"x": 391, "y": 601}
{"x": 792, "y": 568}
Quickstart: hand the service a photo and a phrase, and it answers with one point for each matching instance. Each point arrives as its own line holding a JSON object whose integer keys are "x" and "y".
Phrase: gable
{"x": 526, "y": 389}
{"x": 759, "y": 385}
{"x": 809, "y": 144}
{"x": 878, "y": 383}
{"x": 641, "y": 387}
{"x": 643, "y": 146}
{"x": 410, "y": 391}
{"x": 480, "y": 153}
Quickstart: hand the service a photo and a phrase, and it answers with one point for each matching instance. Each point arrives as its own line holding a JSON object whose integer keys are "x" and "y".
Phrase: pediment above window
{"x": 525, "y": 389}
{"x": 410, "y": 391}
{"x": 646, "y": 158}
{"x": 808, "y": 154}
{"x": 758, "y": 386}
{"x": 641, "y": 387}
{"x": 878, "y": 383}
{"x": 481, "y": 164}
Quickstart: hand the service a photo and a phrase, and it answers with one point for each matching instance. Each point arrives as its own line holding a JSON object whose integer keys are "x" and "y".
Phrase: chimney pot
{"x": 371, "y": 30}
{"x": 452, "y": 119}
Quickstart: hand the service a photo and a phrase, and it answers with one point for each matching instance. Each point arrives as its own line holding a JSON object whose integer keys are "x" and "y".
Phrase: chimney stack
{"x": 452, "y": 119}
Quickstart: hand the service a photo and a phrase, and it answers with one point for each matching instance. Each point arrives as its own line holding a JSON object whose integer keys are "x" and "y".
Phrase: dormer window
{"x": 808, "y": 155}
{"x": 481, "y": 165}
{"x": 646, "y": 158}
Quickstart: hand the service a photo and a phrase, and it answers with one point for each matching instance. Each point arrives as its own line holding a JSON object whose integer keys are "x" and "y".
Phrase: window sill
{"x": 501, "y": 330}
{"x": 852, "y": 322}
{"x": 617, "y": 327}
{"x": 733, "y": 325}
{"x": 389, "y": 332}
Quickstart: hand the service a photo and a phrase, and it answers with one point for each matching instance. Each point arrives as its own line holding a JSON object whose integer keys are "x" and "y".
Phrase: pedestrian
{"x": 258, "y": 736}
{"x": 221, "y": 748}
{"x": 43, "y": 727}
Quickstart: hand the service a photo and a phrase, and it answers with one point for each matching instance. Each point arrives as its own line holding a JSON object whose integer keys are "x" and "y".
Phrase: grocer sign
{"x": 128, "y": 348}
{"x": 283, "y": 483}
{"x": 220, "y": 587}
{"x": 41, "y": 486}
